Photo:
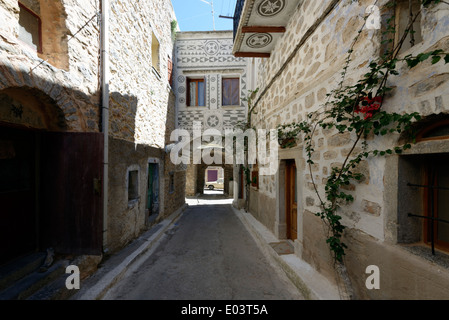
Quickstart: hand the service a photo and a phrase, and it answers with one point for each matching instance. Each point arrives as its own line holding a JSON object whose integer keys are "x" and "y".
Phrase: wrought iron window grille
{"x": 432, "y": 217}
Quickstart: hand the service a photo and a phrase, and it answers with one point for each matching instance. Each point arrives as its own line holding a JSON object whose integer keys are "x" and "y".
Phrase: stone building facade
{"x": 51, "y": 140}
{"x": 294, "y": 78}
{"x": 141, "y": 118}
{"x": 211, "y": 86}
{"x": 78, "y": 99}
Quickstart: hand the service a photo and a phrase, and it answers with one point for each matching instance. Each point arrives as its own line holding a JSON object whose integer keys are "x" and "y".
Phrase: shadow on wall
{"x": 175, "y": 175}
{"x": 51, "y": 164}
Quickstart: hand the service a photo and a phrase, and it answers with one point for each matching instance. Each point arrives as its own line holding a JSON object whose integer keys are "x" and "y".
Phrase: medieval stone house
{"x": 300, "y": 49}
{"x": 86, "y": 105}
{"x": 211, "y": 86}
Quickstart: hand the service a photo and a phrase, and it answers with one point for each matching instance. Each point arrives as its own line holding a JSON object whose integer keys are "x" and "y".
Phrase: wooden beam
{"x": 251, "y": 55}
{"x": 260, "y": 29}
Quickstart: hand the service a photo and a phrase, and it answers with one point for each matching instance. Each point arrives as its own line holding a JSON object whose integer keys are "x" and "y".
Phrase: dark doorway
{"x": 153, "y": 190}
{"x": 18, "y": 220}
{"x": 291, "y": 200}
{"x": 50, "y": 192}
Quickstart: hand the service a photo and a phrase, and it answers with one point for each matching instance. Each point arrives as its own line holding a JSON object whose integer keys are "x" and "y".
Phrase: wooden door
{"x": 71, "y": 218}
{"x": 291, "y": 203}
{"x": 436, "y": 199}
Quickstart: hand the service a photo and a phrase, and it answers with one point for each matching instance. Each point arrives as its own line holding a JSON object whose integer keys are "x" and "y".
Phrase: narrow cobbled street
{"x": 207, "y": 255}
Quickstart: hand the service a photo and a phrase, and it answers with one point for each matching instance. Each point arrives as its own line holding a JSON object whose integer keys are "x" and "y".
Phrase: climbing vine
{"x": 245, "y": 125}
{"x": 357, "y": 109}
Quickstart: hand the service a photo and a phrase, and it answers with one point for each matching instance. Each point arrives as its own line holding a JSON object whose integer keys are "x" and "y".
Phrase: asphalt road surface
{"x": 207, "y": 255}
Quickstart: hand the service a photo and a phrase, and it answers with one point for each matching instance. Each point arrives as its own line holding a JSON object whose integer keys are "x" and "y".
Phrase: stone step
{"x": 55, "y": 290}
{"x": 33, "y": 282}
{"x": 19, "y": 268}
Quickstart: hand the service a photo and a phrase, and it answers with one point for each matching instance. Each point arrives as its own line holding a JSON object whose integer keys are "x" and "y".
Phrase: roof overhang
{"x": 259, "y": 24}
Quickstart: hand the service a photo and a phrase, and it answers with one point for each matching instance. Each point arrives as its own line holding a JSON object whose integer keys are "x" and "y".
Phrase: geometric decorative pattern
{"x": 206, "y": 53}
{"x": 231, "y": 117}
{"x": 186, "y": 119}
{"x": 211, "y": 47}
{"x": 213, "y": 119}
{"x": 206, "y": 59}
{"x": 210, "y": 59}
{"x": 259, "y": 40}
{"x": 269, "y": 8}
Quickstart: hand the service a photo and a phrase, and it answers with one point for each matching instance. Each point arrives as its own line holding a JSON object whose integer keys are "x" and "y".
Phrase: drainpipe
{"x": 104, "y": 47}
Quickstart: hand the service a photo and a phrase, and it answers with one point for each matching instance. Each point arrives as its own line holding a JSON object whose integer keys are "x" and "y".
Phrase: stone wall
{"x": 139, "y": 113}
{"x": 142, "y": 115}
{"x": 69, "y": 78}
{"x": 317, "y": 42}
{"x": 58, "y": 87}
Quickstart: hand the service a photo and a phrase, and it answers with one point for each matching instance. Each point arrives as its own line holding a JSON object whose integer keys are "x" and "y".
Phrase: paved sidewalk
{"x": 311, "y": 284}
{"x": 113, "y": 269}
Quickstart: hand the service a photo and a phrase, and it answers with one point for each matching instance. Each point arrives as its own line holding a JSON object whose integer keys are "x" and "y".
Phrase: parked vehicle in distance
{"x": 219, "y": 184}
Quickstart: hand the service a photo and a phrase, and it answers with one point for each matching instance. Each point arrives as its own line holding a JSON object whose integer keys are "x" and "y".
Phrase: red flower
{"x": 368, "y": 106}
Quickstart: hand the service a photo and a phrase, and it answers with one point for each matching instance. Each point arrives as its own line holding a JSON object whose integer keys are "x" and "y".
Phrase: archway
{"x": 50, "y": 179}
{"x": 214, "y": 180}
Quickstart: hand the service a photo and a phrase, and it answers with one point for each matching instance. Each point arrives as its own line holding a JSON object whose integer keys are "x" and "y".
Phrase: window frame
{"x": 39, "y": 48}
{"x": 155, "y": 65}
{"x": 420, "y": 136}
{"x": 223, "y": 90}
{"x": 170, "y": 71}
{"x": 440, "y": 244}
{"x": 136, "y": 194}
{"x": 398, "y": 7}
{"x": 197, "y": 80}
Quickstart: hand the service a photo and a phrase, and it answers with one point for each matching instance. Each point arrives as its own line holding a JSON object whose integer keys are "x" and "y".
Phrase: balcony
{"x": 259, "y": 24}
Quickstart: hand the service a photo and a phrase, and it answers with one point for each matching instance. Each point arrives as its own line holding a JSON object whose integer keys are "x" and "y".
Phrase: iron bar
{"x": 427, "y": 186}
{"x": 431, "y": 189}
{"x": 427, "y": 217}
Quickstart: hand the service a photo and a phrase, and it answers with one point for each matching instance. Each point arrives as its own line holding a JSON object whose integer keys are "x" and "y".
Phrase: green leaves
{"x": 358, "y": 109}
{"x": 413, "y": 61}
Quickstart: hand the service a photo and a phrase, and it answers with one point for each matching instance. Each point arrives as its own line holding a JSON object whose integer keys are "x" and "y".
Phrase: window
{"x": 405, "y": 9}
{"x": 133, "y": 185}
{"x": 30, "y": 28}
{"x": 231, "y": 92}
{"x": 155, "y": 54}
{"x": 255, "y": 179}
{"x": 437, "y": 131}
{"x": 423, "y": 191}
{"x": 436, "y": 201}
{"x": 170, "y": 72}
{"x": 196, "y": 92}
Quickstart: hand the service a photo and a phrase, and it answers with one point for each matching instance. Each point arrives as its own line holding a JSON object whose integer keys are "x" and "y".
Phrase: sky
{"x": 196, "y": 15}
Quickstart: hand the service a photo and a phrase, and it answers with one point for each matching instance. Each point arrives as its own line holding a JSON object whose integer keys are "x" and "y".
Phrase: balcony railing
{"x": 237, "y": 14}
